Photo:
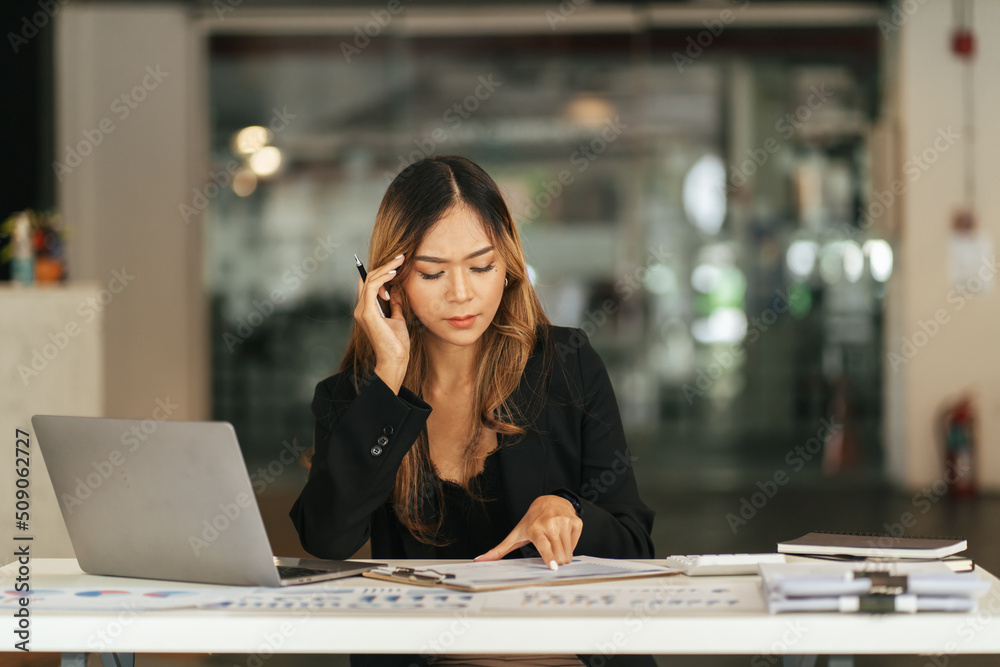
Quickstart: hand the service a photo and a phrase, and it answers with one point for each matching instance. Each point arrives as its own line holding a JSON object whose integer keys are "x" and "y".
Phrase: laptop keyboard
{"x": 290, "y": 572}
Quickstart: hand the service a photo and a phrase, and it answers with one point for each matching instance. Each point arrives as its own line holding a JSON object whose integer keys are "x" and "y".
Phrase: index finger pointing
{"x": 501, "y": 550}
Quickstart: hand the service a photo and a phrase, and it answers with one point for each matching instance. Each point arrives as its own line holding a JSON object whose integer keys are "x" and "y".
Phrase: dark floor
{"x": 689, "y": 520}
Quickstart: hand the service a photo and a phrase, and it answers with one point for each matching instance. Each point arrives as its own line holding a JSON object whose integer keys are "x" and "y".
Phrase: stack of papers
{"x": 869, "y": 587}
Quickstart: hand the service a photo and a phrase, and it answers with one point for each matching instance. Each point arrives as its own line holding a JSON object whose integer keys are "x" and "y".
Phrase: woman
{"x": 465, "y": 424}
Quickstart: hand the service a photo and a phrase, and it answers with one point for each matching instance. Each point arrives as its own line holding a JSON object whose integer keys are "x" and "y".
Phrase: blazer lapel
{"x": 522, "y": 458}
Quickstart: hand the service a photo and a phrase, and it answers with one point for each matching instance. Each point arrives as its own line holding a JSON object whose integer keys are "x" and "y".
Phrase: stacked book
{"x": 871, "y": 573}
{"x": 876, "y": 547}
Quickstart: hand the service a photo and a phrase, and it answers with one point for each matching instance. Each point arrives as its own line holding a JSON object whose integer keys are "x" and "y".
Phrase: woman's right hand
{"x": 388, "y": 335}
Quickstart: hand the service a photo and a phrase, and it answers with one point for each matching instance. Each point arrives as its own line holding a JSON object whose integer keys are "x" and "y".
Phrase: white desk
{"x": 196, "y": 630}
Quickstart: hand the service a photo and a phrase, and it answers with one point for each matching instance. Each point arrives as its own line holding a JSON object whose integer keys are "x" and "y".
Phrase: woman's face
{"x": 457, "y": 273}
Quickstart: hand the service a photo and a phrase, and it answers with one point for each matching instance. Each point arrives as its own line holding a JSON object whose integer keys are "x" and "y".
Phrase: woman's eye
{"x": 435, "y": 276}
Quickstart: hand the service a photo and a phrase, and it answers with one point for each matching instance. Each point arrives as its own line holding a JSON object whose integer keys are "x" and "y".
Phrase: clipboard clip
{"x": 426, "y": 576}
{"x": 883, "y": 583}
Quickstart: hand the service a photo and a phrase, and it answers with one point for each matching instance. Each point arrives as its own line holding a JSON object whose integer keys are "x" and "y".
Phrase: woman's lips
{"x": 464, "y": 323}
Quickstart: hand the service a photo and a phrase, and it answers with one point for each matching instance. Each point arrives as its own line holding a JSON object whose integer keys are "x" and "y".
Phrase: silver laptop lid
{"x": 157, "y": 499}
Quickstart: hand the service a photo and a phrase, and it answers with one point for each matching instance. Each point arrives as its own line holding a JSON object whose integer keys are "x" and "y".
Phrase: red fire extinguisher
{"x": 959, "y": 441}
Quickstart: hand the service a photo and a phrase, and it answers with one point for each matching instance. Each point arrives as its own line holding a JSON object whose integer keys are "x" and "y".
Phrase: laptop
{"x": 166, "y": 500}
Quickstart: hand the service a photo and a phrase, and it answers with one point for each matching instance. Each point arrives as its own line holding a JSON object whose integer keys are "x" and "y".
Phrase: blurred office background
{"x": 641, "y": 217}
{"x": 757, "y": 211}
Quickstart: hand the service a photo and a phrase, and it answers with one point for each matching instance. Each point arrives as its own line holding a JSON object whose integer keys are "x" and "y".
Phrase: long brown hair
{"x": 417, "y": 199}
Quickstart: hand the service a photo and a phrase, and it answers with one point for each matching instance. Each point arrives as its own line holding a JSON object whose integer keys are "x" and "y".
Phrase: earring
{"x": 504, "y": 282}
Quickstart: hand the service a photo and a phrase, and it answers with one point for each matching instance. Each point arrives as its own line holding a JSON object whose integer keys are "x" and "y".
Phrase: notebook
{"x": 166, "y": 500}
{"x": 872, "y": 545}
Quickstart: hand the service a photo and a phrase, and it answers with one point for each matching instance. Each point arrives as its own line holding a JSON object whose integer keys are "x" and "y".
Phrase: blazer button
{"x": 388, "y": 429}
{"x": 376, "y": 450}
{"x": 382, "y": 440}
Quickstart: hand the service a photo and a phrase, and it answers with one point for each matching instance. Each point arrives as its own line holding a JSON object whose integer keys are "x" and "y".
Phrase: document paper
{"x": 517, "y": 572}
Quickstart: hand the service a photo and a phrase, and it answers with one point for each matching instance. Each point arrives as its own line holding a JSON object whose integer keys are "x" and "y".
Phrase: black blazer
{"x": 574, "y": 442}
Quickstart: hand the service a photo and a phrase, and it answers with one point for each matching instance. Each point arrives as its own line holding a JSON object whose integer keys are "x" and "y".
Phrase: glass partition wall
{"x": 694, "y": 210}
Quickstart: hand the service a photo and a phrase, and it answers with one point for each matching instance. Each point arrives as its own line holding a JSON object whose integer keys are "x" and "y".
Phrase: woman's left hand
{"x": 551, "y": 524}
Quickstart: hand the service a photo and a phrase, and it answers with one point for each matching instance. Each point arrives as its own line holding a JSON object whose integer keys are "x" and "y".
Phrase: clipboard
{"x": 518, "y": 573}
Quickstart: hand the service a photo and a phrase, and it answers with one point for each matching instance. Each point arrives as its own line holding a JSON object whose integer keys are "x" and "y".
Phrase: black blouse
{"x": 472, "y": 527}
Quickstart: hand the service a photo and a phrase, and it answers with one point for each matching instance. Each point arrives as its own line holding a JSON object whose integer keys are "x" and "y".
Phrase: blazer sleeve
{"x": 360, "y": 439}
{"x": 616, "y": 523}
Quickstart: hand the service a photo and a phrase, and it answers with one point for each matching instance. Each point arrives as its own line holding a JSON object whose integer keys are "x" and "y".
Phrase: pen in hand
{"x": 364, "y": 276}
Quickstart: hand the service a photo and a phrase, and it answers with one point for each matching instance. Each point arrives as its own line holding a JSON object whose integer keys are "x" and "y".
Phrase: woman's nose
{"x": 459, "y": 288}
